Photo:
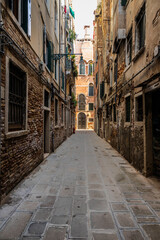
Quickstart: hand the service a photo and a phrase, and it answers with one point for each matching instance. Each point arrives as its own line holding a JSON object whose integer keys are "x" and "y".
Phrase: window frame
{"x": 138, "y": 35}
{"x": 56, "y": 107}
{"x": 80, "y": 69}
{"x": 90, "y": 64}
{"x": 24, "y": 131}
{"x": 90, "y": 104}
{"x": 135, "y": 108}
{"x": 126, "y": 121}
{"x": 91, "y": 85}
{"x": 79, "y": 102}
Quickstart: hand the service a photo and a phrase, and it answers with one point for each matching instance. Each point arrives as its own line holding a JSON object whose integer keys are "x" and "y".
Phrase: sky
{"x": 84, "y": 15}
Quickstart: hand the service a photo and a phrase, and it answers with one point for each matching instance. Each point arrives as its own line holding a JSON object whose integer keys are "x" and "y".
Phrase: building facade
{"x": 84, "y": 83}
{"x": 35, "y": 106}
{"x": 129, "y": 84}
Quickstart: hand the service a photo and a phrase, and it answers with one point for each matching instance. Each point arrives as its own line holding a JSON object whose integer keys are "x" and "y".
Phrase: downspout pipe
{"x": 1, "y": 23}
{"x": 59, "y": 45}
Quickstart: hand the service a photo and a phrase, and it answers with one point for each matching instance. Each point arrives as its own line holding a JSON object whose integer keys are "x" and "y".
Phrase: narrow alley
{"x": 85, "y": 190}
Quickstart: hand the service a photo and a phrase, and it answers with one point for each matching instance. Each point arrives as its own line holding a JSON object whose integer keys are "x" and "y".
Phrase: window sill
{"x": 16, "y": 134}
{"x": 127, "y": 124}
{"x": 138, "y": 54}
{"x": 57, "y": 127}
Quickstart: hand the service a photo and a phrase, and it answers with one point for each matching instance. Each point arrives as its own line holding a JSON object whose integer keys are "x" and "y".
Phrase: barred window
{"x": 139, "y": 108}
{"x": 17, "y": 98}
{"x": 128, "y": 108}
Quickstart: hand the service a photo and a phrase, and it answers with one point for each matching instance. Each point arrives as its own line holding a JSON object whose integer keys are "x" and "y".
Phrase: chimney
{"x": 87, "y": 35}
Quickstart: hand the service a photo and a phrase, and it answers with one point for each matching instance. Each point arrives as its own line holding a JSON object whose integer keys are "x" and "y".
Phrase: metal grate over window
{"x": 17, "y": 98}
{"x": 82, "y": 102}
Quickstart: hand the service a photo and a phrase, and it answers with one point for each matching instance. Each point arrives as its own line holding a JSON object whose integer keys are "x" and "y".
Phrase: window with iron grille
{"x": 114, "y": 113}
{"x": 90, "y": 106}
{"x": 129, "y": 48}
{"x": 82, "y": 70}
{"x": 90, "y": 69}
{"x": 128, "y": 108}
{"x": 46, "y": 98}
{"x": 56, "y": 111}
{"x": 90, "y": 119}
{"x": 91, "y": 90}
{"x": 139, "y": 108}
{"x": 17, "y": 98}
{"x": 82, "y": 102}
{"x": 140, "y": 29}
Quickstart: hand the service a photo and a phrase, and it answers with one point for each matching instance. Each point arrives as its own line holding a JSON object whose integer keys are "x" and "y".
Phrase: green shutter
{"x": 123, "y": 2}
{"x": 50, "y": 59}
{"x": 24, "y": 15}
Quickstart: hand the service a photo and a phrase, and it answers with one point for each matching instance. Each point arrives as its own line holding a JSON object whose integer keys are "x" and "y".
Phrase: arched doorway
{"x": 81, "y": 121}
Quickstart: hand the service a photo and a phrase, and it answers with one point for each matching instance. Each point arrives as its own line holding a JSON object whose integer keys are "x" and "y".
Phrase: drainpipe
{"x": 59, "y": 44}
{"x": 0, "y": 101}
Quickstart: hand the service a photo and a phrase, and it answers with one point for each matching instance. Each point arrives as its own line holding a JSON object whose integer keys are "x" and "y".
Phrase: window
{"x": 110, "y": 113}
{"x": 129, "y": 48}
{"x": 123, "y": 2}
{"x": 56, "y": 111}
{"x": 90, "y": 69}
{"x": 17, "y": 98}
{"x": 90, "y": 106}
{"x": 56, "y": 19}
{"x": 114, "y": 113}
{"x": 111, "y": 77}
{"x": 63, "y": 84}
{"x": 62, "y": 113}
{"x": 139, "y": 108}
{"x": 22, "y": 11}
{"x": 91, "y": 90}
{"x": 82, "y": 70}
{"x": 140, "y": 29}
{"x": 128, "y": 108}
{"x": 82, "y": 102}
{"x": 46, "y": 98}
{"x": 56, "y": 70}
{"x": 14, "y": 6}
{"x": 96, "y": 79}
{"x": 115, "y": 70}
{"x": 107, "y": 111}
{"x": 90, "y": 119}
{"x": 47, "y": 51}
{"x": 102, "y": 89}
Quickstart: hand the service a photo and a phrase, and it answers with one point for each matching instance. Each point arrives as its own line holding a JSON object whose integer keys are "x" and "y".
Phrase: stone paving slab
{"x": 15, "y": 226}
{"x": 101, "y": 220}
{"x": 85, "y": 190}
{"x": 104, "y": 236}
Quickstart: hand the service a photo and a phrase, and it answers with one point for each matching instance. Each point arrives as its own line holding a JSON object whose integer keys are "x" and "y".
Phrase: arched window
{"x": 82, "y": 102}
{"x": 90, "y": 69}
{"x": 82, "y": 70}
{"x": 91, "y": 89}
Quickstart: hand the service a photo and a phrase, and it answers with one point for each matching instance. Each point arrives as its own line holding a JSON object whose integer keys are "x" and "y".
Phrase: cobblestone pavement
{"x": 85, "y": 190}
